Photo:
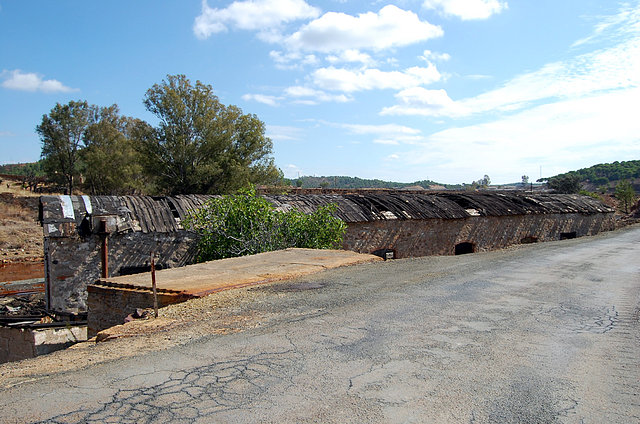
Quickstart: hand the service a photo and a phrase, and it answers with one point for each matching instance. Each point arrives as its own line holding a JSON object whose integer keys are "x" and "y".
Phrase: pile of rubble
{"x": 24, "y": 305}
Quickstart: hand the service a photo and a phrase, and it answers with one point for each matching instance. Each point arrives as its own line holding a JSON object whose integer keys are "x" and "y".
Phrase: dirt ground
{"x": 20, "y": 232}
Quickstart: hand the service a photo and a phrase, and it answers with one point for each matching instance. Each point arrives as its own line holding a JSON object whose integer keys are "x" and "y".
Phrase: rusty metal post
{"x": 153, "y": 286}
{"x": 105, "y": 247}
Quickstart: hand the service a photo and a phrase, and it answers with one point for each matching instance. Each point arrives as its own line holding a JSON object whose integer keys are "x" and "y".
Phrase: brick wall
{"x": 109, "y": 306}
{"x": 73, "y": 262}
{"x": 412, "y": 238}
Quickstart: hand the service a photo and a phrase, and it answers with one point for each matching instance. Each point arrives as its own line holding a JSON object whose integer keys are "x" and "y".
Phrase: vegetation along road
{"x": 541, "y": 333}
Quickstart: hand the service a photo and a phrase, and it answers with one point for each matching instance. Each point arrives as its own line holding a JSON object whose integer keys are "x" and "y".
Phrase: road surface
{"x": 545, "y": 333}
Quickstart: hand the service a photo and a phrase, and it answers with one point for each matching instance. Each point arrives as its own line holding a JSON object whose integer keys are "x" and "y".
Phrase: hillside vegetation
{"x": 604, "y": 175}
{"x": 356, "y": 183}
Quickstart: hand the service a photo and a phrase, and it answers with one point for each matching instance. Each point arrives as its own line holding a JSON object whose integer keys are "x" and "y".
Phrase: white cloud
{"x": 614, "y": 68}
{"x": 262, "y": 98}
{"x": 284, "y": 133}
{"x": 254, "y": 15}
{"x": 292, "y": 60}
{"x": 335, "y": 32}
{"x": 383, "y": 129}
{"x": 310, "y": 96}
{"x": 389, "y": 134}
{"x": 421, "y": 101}
{"x": 467, "y": 9}
{"x": 625, "y": 22}
{"x": 351, "y": 56}
{"x": 429, "y": 56}
{"x": 387, "y": 141}
{"x": 29, "y": 81}
{"x": 568, "y": 134}
{"x": 346, "y": 80}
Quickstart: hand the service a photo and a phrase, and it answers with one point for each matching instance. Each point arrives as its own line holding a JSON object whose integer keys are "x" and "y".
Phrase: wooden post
{"x": 153, "y": 286}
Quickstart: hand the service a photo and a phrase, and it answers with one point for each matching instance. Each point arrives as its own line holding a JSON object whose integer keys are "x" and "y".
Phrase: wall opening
{"x": 529, "y": 239}
{"x": 464, "y": 248}
{"x": 567, "y": 236}
{"x": 385, "y": 253}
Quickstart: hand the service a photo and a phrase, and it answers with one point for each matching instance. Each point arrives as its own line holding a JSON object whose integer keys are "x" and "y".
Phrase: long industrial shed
{"x": 392, "y": 225}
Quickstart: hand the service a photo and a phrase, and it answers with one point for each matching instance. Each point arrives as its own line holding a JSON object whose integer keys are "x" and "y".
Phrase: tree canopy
{"x": 625, "y": 194}
{"x": 246, "y": 224}
{"x": 63, "y": 133}
{"x": 92, "y": 142}
{"x": 200, "y": 145}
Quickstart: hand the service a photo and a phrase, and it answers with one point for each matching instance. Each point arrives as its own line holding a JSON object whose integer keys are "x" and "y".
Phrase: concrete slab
{"x": 214, "y": 276}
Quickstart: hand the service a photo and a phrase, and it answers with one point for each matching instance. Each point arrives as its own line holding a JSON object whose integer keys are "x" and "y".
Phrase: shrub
{"x": 246, "y": 224}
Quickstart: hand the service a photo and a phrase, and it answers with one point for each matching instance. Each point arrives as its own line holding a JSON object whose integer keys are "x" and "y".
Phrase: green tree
{"x": 110, "y": 161}
{"x": 525, "y": 180}
{"x": 565, "y": 183}
{"x": 246, "y": 224}
{"x": 63, "y": 133}
{"x": 625, "y": 194}
{"x": 200, "y": 145}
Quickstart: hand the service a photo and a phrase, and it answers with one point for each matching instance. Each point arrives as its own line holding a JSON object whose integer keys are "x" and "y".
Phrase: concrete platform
{"x": 110, "y": 300}
{"x": 210, "y": 277}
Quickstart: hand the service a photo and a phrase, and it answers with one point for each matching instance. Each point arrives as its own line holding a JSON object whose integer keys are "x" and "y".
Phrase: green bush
{"x": 246, "y": 224}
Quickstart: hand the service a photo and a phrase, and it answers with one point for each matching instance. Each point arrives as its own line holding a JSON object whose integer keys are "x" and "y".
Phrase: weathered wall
{"x": 16, "y": 344}
{"x": 22, "y": 343}
{"x": 109, "y": 306}
{"x": 73, "y": 262}
{"x": 413, "y": 238}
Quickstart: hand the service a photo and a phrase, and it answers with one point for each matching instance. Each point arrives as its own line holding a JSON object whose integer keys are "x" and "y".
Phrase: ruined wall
{"x": 413, "y": 238}
{"x": 109, "y": 306}
{"x": 22, "y": 343}
{"x": 73, "y": 262}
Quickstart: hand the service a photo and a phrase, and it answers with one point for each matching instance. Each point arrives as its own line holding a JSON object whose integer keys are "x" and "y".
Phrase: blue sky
{"x": 447, "y": 90}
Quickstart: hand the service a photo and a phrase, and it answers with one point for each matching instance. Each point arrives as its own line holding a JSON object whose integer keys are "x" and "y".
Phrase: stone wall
{"x": 73, "y": 262}
{"x": 109, "y": 306}
{"x": 413, "y": 238}
{"x": 22, "y": 343}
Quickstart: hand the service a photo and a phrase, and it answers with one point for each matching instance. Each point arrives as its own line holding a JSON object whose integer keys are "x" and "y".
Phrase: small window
{"x": 464, "y": 248}
{"x": 567, "y": 236}
{"x": 529, "y": 239}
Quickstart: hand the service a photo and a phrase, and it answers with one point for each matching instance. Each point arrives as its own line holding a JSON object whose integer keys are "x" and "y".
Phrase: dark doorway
{"x": 385, "y": 253}
{"x": 464, "y": 248}
{"x": 567, "y": 236}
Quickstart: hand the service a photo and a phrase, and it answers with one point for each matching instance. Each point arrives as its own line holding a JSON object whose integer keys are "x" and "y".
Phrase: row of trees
{"x": 198, "y": 146}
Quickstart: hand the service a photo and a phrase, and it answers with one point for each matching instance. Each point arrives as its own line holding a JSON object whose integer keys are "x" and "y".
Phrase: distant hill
{"x": 603, "y": 177}
{"x": 30, "y": 169}
{"x": 356, "y": 183}
{"x": 605, "y": 173}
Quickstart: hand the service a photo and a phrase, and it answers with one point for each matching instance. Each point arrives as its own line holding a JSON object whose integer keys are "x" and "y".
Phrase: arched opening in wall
{"x": 464, "y": 248}
{"x": 567, "y": 236}
{"x": 385, "y": 253}
{"x": 528, "y": 240}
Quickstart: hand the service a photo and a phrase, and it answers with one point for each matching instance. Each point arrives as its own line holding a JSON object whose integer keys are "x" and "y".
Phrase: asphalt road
{"x": 546, "y": 333}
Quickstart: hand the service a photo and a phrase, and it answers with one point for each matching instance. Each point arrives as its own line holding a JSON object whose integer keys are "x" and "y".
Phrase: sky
{"x": 447, "y": 90}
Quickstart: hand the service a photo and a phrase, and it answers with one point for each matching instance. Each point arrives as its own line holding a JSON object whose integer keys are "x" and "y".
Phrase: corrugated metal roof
{"x": 164, "y": 214}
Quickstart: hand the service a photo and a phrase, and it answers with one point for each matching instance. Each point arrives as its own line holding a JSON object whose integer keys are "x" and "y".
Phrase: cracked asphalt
{"x": 545, "y": 333}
